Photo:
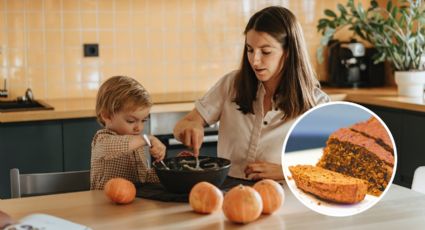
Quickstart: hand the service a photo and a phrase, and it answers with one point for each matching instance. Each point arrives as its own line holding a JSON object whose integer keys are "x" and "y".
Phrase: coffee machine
{"x": 351, "y": 65}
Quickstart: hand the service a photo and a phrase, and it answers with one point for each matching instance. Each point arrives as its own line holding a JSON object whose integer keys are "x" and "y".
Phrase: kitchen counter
{"x": 174, "y": 102}
{"x": 400, "y": 208}
{"x": 85, "y": 107}
{"x": 384, "y": 96}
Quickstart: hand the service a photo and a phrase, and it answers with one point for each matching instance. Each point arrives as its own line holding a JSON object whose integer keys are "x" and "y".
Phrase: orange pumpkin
{"x": 242, "y": 204}
{"x": 205, "y": 198}
{"x": 120, "y": 190}
{"x": 271, "y": 193}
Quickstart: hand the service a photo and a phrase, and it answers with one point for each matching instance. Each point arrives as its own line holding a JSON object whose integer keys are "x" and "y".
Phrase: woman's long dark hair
{"x": 295, "y": 93}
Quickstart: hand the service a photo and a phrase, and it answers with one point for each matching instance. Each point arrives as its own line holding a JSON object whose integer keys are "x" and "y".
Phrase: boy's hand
{"x": 158, "y": 149}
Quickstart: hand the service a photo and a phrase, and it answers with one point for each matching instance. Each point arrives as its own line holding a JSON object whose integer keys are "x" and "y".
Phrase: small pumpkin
{"x": 120, "y": 190}
{"x": 271, "y": 193}
{"x": 242, "y": 204}
{"x": 205, "y": 198}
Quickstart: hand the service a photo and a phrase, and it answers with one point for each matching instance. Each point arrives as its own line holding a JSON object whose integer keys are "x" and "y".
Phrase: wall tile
{"x": 90, "y": 36}
{"x": 15, "y": 5}
{"x": 89, "y": 5}
{"x": 123, "y": 5}
{"x": 70, "y": 6}
{"x": 35, "y": 20}
{"x": 54, "y": 40}
{"x": 58, "y": 5}
{"x": 36, "y": 57}
{"x": 89, "y": 20}
{"x": 72, "y": 38}
{"x": 53, "y": 20}
{"x": 34, "y": 5}
{"x": 16, "y": 39}
{"x": 71, "y": 21}
{"x": 105, "y": 20}
{"x": 168, "y": 45}
{"x": 106, "y": 5}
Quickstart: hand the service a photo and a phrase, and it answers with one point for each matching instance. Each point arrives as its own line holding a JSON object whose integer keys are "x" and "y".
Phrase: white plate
{"x": 311, "y": 157}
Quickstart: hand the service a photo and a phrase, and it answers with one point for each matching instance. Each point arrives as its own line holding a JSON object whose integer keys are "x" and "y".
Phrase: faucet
{"x": 28, "y": 97}
{"x": 3, "y": 92}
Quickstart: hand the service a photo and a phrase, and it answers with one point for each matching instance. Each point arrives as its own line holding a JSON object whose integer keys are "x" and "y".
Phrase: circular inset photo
{"x": 339, "y": 159}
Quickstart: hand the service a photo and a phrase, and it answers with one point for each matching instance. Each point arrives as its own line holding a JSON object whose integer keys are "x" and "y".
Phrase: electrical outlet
{"x": 91, "y": 50}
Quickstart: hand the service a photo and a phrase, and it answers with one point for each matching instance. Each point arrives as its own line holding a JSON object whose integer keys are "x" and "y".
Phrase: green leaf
{"x": 359, "y": 32}
{"x": 342, "y": 9}
{"x": 394, "y": 12}
{"x": 373, "y": 4}
{"x": 361, "y": 11}
{"x": 319, "y": 54}
{"x": 330, "y": 13}
{"x": 389, "y": 5}
{"x": 421, "y": 40}
{"x": 350, "y": 3}
{"x": 323, "y": 23}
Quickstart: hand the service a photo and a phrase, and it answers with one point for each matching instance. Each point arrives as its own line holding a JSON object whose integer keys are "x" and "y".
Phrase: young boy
{"x": 122, "y": 107}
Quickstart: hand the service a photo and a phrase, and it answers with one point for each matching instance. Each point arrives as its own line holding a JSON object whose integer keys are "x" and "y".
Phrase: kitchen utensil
{"x": 148, "y": 142}
{"x": 181, "y": 179}
{"x": 197, "y": 167}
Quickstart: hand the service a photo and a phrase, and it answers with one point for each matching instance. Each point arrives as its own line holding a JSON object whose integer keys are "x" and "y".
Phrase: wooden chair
{"x": 418, "y": 183}
{"x": 47, "y": 183}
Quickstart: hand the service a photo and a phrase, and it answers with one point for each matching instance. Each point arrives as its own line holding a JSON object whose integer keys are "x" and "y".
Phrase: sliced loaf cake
{"x": 329, "y": 185}
{"x": 374, "y": 129}
{"x": 354, "y": 154}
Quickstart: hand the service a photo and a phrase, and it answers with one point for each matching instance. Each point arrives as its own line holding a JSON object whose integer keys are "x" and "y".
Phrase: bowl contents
{"x": 183, "y": 175}
{"x": 189, "y": 164}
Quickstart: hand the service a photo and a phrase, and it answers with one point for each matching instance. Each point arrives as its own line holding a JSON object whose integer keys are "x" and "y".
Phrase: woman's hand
{"x": 192, "y": 136}
{"x": 158, "y": 149}
{"x": 190, "y": 131}
{"x": 264, "y": 170}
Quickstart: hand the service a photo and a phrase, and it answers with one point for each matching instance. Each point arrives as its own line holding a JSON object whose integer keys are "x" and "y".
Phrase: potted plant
{"x": 396, "y": 30}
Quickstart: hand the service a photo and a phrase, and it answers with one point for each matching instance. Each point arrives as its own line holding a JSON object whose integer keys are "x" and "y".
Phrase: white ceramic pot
{"x": 410, "y": 83}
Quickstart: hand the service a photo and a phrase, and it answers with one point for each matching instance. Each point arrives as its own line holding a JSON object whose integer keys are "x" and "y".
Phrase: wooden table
{"x": 401, "y": 208}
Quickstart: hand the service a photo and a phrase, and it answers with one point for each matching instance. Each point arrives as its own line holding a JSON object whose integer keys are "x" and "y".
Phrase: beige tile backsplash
{"x": 168, "y": 45}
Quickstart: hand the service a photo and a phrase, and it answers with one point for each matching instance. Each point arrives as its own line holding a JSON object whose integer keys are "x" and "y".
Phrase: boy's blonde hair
{"x": 120, "y": 93}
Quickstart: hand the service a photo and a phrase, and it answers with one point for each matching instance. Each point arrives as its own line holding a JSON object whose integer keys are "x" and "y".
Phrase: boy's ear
{"x": 105, "y": 116}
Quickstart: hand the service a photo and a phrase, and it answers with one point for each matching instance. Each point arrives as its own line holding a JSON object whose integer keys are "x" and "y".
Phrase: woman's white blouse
{"x": 245, "y": 138}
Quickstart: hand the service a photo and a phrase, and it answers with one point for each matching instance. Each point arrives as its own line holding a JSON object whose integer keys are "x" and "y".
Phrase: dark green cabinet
{"x": 77, "y": 138}
{"x": 30, "y": 146}
{"x": 412, "y": 153}
{"x": 44, "y": 146}
{"x": 408, "y": 130}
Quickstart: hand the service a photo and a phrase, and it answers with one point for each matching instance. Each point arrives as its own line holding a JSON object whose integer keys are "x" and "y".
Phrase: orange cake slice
{"x": 329, "y": 185}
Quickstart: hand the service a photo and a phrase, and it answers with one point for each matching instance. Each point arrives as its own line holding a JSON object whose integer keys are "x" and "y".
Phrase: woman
{"x": 257, "y": 104}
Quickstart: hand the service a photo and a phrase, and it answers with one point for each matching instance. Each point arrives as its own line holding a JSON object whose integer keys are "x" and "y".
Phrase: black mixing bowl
{"x": 181, "y": 176}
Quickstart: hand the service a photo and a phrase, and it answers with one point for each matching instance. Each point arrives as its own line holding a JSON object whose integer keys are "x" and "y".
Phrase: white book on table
{"x": 45, "y": 222}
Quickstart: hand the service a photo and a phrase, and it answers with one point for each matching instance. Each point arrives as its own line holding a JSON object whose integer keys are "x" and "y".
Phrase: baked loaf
{"x": 372, "y": 128}
{"x": 329, "y": 185}
{"x": 354, "y": 154}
